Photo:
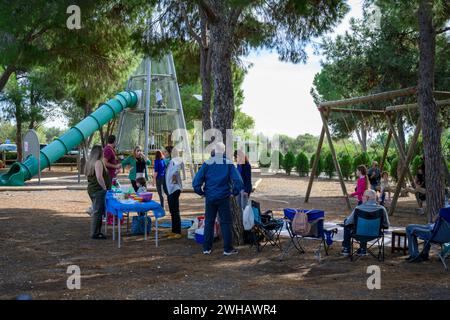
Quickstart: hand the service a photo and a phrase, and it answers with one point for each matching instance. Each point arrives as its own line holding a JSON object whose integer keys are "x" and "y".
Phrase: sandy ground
{"x": 43, "y": 232}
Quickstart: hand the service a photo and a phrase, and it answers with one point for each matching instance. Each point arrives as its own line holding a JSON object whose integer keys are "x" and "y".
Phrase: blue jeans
{"x": 222, "y": 207}
{"x": 418, "y": 230}
{"x": 348, "y": 237}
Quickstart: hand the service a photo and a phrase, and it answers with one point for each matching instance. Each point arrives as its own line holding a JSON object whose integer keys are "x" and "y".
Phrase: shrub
{"x": 289, "y": 162}
{"x": 386, "y": 166}
{"x": 264, "y": 159}
{"x": 415, "y": 164}
{"x": 328, "y": 166}
{"x": 361, "y": 159}
{"x": 302, "y": 164}
{"x": 345, "y": 162}
{"x": 319, "y": 165}
{"x": 393, "y": 169}
{"x": 273, "y": 161}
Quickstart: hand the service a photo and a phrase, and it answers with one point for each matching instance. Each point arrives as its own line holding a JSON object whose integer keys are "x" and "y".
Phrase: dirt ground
{"x": 44, "y": 232}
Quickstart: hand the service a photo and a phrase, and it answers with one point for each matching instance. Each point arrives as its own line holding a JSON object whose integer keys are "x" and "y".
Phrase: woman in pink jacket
{"x": 361, "y": 184}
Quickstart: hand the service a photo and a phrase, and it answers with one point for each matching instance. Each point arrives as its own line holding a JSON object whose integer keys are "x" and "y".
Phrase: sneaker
{"x": 361, "y": 252}
{"x": 206, "y": 251}
{"x": 229, "y": 253}
{"x": 345, "y": 252}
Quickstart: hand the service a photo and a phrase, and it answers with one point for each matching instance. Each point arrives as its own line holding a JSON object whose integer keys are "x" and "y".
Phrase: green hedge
{"x": 302, "y": 164}
{"x": 319, "y": 165}
{"x": 289, "y": 162}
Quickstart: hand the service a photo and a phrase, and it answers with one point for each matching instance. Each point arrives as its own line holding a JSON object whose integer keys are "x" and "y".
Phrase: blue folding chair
{"x": 368, "y": 226}
{"x": 318, "y": 232}
{"x": 440, "y": 235}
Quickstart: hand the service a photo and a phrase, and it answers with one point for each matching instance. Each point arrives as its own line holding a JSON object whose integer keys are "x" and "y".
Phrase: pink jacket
{"x": 360, "y": 188}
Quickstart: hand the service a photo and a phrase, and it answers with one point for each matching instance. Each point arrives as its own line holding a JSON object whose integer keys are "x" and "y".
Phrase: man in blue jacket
{"x": 217, "y": 180}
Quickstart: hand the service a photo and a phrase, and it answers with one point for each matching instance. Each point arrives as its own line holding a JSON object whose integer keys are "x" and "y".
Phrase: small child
{"x": 141, "y": 184}
{"x": 362, "y": 184}
{"x": 385, "y": 187}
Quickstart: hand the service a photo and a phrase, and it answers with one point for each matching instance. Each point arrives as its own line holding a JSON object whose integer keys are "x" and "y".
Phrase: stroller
{"x": 317, "y": 232}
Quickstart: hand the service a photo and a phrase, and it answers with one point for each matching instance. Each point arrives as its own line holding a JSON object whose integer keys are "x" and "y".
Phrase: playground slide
{"x": 22, "y": 171}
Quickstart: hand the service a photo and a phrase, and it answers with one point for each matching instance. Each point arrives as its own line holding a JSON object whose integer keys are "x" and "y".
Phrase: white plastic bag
{"x": 248, "y": 217}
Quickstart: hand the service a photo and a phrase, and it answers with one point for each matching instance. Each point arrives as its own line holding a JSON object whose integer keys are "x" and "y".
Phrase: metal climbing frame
{"x": 166, "y": 116}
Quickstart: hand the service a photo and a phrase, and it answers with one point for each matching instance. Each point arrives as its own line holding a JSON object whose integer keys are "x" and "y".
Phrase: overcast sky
{"x": 277, "y": 93}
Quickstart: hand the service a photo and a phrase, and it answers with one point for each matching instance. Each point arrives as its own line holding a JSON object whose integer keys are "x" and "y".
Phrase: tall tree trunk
{"x": 205, "y": 74}
{"x": 402, "y": 140}
{"x": 221, "y": 38}
{"x": 5, "y": 76}
{"x": 19, "y": 137}
{"x": 361, "y": 134}
{"x": 431, "y": 128}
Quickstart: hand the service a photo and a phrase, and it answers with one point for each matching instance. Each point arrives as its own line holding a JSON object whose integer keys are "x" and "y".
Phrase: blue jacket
{"x": 217, "y": 179}
{"x": 246, "y": 174}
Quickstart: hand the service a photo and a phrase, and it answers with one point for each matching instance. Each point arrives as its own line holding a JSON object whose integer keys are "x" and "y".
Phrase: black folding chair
{"x": 266, "y": 230}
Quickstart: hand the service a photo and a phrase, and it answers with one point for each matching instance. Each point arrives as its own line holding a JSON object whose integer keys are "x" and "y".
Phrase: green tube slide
{"x": 22, "y": 171}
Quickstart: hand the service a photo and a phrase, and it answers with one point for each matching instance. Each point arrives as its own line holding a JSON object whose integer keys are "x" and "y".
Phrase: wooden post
{"x": 386, "y": 150}
{"x": 405, "y": 167}
{"x": 315, "y": 164}
{"x": 400, "y": 149}
{"x": 336, "y": 163}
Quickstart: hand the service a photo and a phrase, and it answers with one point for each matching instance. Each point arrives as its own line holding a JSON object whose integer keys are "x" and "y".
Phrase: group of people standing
{"x": 216, "y": 180}
{"x": 103, "y": 166}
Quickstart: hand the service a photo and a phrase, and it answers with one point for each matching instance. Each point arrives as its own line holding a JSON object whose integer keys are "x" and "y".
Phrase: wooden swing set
{"x": 386, "y": 115}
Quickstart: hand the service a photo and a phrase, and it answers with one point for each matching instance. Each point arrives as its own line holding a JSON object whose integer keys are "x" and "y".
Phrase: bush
{"x": 328, "y": 166}
{"x": 415, "y": 164}
{"x": 345, "y": 162}
{"x": 319, "y": 165}
{"x": 362, "y": 159}
{"x": 302, "y": 164}
{"x": 393, "y": 169}
{"x": 386, "y": 166}
{"x": 273, "y": 161}
{"x": 289, "y": 162}
{"x": 264, "y": 159}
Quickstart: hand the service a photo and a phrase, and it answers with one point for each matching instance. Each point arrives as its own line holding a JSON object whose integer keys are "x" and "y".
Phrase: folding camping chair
{"x": 266, "y": 230}
{"x": 368, "y": 227}
{"x": 440, "y": 235}
{"x": 318, "y": 232}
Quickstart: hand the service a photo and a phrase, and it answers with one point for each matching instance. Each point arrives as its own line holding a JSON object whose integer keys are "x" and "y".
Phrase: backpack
{"x": 300, "y": 224}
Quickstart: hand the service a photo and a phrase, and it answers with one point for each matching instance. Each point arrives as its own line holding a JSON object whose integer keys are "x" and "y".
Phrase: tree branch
{"x": 442, "y": 30}
{"x": 190, "y": 29}
{"x": 207, "y": 10}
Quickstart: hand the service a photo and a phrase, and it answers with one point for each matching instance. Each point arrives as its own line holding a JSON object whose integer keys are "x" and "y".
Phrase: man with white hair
{"x": 217, "y": 180}
{"x": 369, "y": 205}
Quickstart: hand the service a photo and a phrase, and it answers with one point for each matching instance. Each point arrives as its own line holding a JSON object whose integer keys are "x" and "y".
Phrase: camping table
{"x": 117, "y": 209}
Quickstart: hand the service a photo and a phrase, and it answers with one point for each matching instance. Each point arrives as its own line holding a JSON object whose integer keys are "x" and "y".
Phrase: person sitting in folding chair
{"x": 369, "y": 206}
{"x": 437, "y": 232}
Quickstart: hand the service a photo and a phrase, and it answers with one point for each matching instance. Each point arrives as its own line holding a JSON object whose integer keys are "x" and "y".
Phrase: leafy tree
{"x": 264, "y": 160}
{"x": 394, "y": 169}
{"x": 345, "y": 162}
{"x": 328, "y": 165}
{"x": 415, "y": 164}
{"x": 302, "y": 164}
{"x": 362, "y": 159}
{"x": 289, "y": 162}
{"x": 320, "y": 164}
